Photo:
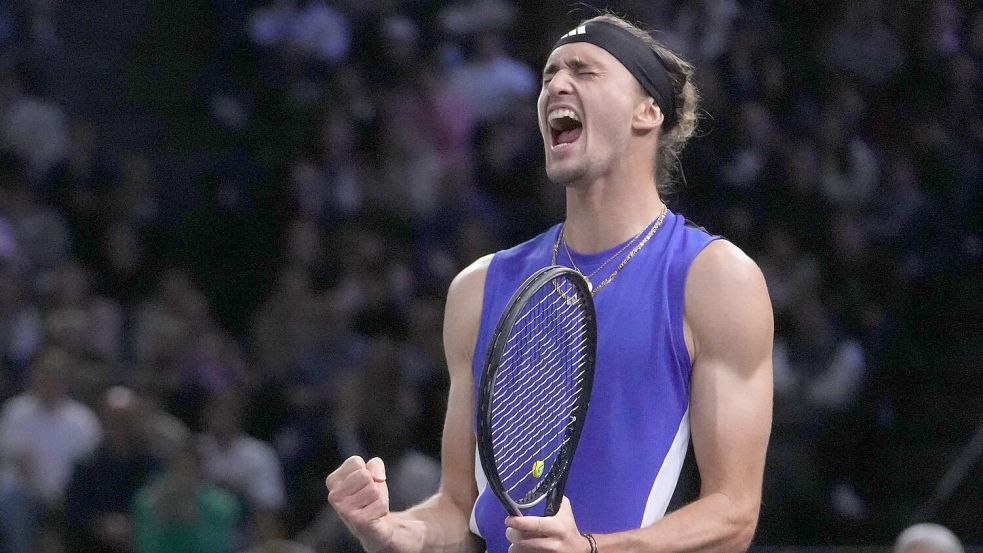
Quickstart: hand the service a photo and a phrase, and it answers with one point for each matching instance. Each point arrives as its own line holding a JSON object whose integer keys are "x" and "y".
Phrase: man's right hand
{"x": 358, "y": 492}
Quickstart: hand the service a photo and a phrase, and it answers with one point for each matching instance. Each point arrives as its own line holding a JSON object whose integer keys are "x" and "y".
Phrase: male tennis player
{"x": 684, "y": 336}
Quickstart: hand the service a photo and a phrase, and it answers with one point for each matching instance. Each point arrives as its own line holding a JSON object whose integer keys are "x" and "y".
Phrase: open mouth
{"x": 565, "y": 126}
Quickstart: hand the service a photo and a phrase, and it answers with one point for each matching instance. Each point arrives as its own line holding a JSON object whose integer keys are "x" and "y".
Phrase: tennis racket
{"x": 535, "y": 389}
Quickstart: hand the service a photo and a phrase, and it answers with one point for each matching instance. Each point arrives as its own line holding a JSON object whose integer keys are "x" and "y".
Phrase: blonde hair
{"x": 686, "y": 100}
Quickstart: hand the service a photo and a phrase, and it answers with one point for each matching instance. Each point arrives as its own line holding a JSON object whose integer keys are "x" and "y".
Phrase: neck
{"x": 608, "y": 211}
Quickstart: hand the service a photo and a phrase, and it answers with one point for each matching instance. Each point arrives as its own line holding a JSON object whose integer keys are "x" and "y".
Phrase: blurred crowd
{"x": 227, "y": 228}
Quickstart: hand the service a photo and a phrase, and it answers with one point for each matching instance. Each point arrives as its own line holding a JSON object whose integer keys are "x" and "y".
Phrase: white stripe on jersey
{"x": 668, "y": 477}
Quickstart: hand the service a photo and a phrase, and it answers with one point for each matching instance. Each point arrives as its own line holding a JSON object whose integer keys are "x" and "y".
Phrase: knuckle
{"x": 352, "y": 464}
{"x": 361, "y": 477}
{"x": 332, "y": 479}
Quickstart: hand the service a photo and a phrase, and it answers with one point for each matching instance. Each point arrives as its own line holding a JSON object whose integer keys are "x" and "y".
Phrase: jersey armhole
{"x": 678, "y": 304}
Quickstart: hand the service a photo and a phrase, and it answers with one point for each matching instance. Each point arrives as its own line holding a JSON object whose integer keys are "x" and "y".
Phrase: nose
{"x": 559, "y": 84}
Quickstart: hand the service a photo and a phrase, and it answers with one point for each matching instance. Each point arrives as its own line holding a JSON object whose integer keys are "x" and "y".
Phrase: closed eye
{"x": 548, "y": 78}
{"x": 576, "y": 65}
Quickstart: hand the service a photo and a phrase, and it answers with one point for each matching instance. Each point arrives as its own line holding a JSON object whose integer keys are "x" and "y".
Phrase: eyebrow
{"x": 575, "y": 64}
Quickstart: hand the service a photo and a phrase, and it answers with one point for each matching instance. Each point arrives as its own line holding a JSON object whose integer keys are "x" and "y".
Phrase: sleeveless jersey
{"x": 637, "y": 430}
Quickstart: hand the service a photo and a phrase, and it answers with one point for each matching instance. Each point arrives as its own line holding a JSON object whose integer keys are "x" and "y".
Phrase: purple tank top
{"x": 637, "y": 429}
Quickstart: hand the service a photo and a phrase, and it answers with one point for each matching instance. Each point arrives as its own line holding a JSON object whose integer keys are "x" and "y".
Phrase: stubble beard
{"x": 568, "y": 178}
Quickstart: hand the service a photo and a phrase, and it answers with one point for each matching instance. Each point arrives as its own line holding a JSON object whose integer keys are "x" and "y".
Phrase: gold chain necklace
{"x": 588, "y": 277}
{"x": 594, "y": 290}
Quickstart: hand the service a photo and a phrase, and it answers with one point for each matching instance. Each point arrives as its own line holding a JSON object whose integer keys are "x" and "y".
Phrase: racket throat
{"x": 574, "y": 299}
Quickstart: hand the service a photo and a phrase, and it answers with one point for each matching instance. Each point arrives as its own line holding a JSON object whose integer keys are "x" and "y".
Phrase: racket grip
{"x": 555, "y": 497}
{"x": 553, "y": 501}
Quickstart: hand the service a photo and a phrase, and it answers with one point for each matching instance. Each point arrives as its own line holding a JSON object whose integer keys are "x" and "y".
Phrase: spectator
{"x": 181, "y": 512}
{"x": 103, "y": 486}
{"x": 493, "y": 81}
{"x": 43, "y": 434}
{"x": 36, "y": 129}
{"x": 927, "y": 538}
{"x": 41, "y": 236}
{"x": 88, "y": 326}
{"x": 475, "y": 16}
{"x": 176, "y": 336}
{"x": 315, "y": 29}
{"x": 244, "y": 465}
{"x": 792, "y": 275}
{"x": 163, "y": 433}
{"x": 20, "y": 328}
{"x": 863, "y": 45}
{"x": 819, "y": 373}
{"x": 124, "y": 264}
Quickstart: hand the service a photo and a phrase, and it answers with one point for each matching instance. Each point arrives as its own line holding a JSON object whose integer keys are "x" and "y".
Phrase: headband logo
{"x": 582, "y": 30}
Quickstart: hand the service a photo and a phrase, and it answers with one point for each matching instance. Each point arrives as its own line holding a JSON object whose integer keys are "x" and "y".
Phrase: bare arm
{"x": 440, "y": 524}
{"x": 729, "y": 334}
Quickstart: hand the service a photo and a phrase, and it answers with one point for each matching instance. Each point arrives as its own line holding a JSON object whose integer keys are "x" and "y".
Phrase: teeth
{"x": 563, "y": 112}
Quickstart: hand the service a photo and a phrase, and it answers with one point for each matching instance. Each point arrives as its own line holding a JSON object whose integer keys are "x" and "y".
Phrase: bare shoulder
{"x": 462, "y": 314}
{"x": 722, "y": 263}
{"x": 466, "y": 292}
{"x": 471, "y": 279}
{"x": 727, "y": 300}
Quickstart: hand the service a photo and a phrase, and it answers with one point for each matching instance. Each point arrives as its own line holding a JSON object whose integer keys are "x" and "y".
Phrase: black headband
{"x": 640, "y": 60}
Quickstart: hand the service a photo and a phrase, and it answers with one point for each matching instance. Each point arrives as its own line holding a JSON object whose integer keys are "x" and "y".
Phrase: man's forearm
{"x": 712, "y": 524}
{"x": 436, "y": 525}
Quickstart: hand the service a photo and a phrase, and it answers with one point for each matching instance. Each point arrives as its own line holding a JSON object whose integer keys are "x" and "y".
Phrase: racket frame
{"x": 513, "y": 310}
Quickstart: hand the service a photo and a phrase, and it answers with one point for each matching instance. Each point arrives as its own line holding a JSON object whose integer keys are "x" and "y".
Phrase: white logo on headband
{"x": 582, "y": 30}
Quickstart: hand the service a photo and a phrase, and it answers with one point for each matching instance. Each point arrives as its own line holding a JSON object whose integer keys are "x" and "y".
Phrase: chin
{"x": 567, "y": 176}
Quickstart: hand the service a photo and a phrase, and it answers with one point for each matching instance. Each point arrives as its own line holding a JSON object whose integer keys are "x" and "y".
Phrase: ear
{"x": 648, "y": 115}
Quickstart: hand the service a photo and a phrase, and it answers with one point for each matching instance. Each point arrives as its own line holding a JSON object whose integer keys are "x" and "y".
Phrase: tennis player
{"x": 684, "y": 336}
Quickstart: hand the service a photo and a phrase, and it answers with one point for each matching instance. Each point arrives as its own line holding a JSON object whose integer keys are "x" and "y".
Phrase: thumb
{"x": 566, "y": 509}
{"x": 377, "y": 468}
{"x": 565, "y": 504}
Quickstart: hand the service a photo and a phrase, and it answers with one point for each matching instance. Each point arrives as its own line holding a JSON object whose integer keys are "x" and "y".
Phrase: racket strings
{"x": 548, "y": 356}
{"x": 541, "y": 330}
{"x": 530, "y": 473}
{"x": 525, "y": 474}
{"x": 534, "y": 342}
{"x": 557, "y": 406}
{"x": 535, "y": 311}
{"x": 526, "y": 385}
{"x": 510, "y": 418}
{"x": 532, "y": 381}
{"x": 519, "y": 460}
{"x": 529, "y": 346}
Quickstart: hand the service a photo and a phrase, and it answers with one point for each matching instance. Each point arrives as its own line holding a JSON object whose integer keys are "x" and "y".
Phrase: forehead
{"x": 582, "y": 53}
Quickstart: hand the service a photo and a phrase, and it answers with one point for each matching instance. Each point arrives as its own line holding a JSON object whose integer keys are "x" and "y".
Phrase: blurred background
{"x": 227, "y": 228}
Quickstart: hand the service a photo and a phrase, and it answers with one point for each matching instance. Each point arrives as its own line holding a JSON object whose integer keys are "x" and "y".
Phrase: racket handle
{"x": 555, "y": 497}
{"x": 554, "y": 500}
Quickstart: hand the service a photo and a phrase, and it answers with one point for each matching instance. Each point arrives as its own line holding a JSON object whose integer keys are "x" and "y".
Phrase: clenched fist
{"x": 358, "y": 492}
